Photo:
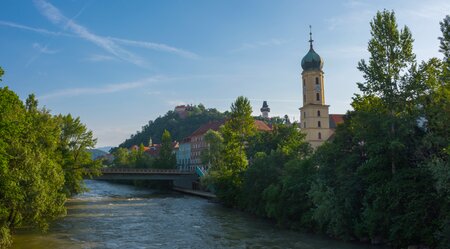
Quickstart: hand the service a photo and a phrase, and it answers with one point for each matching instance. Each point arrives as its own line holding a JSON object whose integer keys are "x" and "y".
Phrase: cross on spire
{"x": 310, "y": 38}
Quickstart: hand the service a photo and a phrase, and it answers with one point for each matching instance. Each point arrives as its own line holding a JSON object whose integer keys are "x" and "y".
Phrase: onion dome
{"x": 312, "y": 61}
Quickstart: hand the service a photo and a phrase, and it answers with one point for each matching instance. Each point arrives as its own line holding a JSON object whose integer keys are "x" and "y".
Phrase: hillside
{"x": 95, "y": 153}
{"x": 178, "y": 127}
{"x": 105, "y": 149}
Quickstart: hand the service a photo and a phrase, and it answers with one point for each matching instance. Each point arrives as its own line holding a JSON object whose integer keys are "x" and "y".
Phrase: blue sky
{"x": 118, "y": 64}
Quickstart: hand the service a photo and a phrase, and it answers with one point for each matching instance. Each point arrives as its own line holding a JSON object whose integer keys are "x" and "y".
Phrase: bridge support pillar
{"x": 185, "y": 182}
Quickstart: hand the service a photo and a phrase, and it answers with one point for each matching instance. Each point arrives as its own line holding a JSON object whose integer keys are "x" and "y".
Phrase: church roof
{"x": 336, "y": 119}
{"x": 312, "y": 60}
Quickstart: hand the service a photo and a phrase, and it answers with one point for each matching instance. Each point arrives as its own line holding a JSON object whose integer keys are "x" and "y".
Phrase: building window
{"x": 318, "y": 113}
{"x": 304, "y": 114}
{"x": 318, "y": 124}
{"x": 317, "y": 96}
{"x": 320, "y": 135}
{"x": 317, "y": 80}
{"x": 304, "y": 83}
{"x": 304, "y": 125}
{"x": 304, "y": 97}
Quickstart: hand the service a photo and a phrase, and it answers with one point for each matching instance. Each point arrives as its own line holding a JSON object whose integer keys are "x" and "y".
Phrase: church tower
{"x": 314, "y": 116}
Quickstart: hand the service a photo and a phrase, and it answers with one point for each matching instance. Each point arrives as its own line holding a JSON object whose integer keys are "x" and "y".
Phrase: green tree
{"x": 31, "y": 180}
{"x": 386, "y": 73}
{"x": 227, "y": 177}
{"x": 434, "y": 149}
{"x": 76, "y": 161}
{"x": 42, "y": 158}
{"x": 445, "y": 45}
{"x": 166, "y": 159}
{"x": 142, "y": 159}
{"x": 121, "y": 158}
{"x": 212, "y": 155}
{"x": 268, "y": 186}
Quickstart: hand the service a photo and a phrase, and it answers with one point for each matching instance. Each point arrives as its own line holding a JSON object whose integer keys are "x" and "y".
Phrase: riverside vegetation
{"x": 384, "y": 178}
{"x": 43, "y": 159}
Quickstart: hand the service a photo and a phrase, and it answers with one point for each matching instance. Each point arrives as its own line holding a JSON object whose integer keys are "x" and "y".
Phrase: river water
{"x": 121, "y": 216}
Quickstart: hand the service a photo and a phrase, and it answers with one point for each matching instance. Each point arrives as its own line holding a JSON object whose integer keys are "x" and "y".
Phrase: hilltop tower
{"x": 314, "y": 116}
{"x": 265, "y": 110}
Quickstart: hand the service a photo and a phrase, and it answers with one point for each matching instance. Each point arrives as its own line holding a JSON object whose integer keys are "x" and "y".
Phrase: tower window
{"x": 317, "y": 80}
{"x": 318, "y": 124}
{"x": 317, "y": 96}
{"x": 304, "y": 97}
{"x": 320, "y": 135}
{"x": 318, "y": 113}
{"x": 304, "y": 84}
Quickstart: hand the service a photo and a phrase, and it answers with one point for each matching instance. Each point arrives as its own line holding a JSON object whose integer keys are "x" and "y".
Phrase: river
{"x": 121, "y": 216}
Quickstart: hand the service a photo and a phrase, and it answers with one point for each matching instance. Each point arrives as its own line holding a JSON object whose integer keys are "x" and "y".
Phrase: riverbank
{"x": 203, "y": 194}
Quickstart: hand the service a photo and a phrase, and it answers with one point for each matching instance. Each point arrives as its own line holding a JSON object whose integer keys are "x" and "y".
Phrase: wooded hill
{"x": 179, "y": 127}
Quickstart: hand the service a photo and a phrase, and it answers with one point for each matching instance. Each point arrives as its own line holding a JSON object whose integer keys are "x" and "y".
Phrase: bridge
{"x": 182, "y": 179}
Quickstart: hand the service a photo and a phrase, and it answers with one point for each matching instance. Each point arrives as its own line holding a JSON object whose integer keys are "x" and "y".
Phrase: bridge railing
{"x": 142, "y": 171}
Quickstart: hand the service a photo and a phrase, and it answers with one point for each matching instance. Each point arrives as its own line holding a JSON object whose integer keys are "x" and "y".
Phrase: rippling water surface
{"x": 121, "y": 216}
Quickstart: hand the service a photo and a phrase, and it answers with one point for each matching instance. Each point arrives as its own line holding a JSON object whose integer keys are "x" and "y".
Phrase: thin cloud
{"x": 44, "y": 49}
{"x": 56, "y": 17}
{"x": 426, "y": 11}
{"x": 350, "y": 51}
{"x": 157, "y": 47}
{"x": 153, "y": 93}
{"x": 349, "y": 19}
{"x": 254, "y": 45}
{"x": 127, "y": 42}
{"x": 100, "y": 58}
{"x": 111, "y": 88}
{"x": 37, "y": 30}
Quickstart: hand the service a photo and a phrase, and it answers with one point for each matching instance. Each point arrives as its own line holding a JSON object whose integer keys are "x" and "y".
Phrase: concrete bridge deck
{"x": 182, "y": 179}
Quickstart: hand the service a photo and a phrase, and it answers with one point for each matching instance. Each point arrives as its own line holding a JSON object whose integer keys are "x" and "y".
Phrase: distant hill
{"x": 96, "y": 153}
{"x": 179, "y": 126}
{"x": 105, "y": 149}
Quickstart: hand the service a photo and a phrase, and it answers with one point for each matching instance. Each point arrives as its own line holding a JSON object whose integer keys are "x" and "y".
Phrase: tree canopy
{"x": 42, "y": 161}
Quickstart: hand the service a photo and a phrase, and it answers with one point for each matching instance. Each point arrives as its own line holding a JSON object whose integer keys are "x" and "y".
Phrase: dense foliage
{"x": 124, "y": 158}
{"x": 226, "y": 175}
{"x": 385, "y": 176}
{"x": 166, "y": 158}
{"x": 139, "y": 158}
{"x": 42, "y": 161}
{"x": 179, "y": 127}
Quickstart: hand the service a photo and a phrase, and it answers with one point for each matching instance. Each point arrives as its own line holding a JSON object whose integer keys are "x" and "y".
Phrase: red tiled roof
{"x": 336, "y": 119}
{"x": 154, "y": 150}
{"x": 214, "y": 125}
{"x": 261, "y": 126}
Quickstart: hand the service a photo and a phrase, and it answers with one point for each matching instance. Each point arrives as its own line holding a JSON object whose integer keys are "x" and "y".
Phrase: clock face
{"x": 317, "y": 88}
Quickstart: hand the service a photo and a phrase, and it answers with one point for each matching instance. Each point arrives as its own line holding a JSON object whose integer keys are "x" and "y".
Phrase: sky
{"x": 118, "y": 64}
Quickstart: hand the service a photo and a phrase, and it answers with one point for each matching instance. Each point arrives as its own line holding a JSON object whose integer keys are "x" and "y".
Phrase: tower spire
{"x": 310, "y": 38}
